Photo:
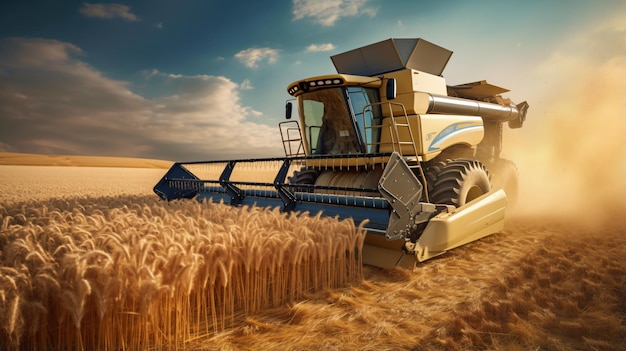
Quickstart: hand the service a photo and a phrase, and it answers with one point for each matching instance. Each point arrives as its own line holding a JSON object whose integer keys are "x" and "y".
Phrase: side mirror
{"x": 288, "y": 110}
{"x": 391, "y": 89}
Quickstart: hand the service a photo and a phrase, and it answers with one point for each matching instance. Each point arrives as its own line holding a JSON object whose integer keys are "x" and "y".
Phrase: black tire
{"x": 304, "y": 176}
{"x": 431, "y": 173}
{"x": 457, "y": 182}
{"x": 505, "y": 176}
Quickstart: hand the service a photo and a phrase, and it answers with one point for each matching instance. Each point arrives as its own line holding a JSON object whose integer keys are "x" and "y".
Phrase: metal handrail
{"x": 288, "y": 140}
{"x": 393, "y": 128}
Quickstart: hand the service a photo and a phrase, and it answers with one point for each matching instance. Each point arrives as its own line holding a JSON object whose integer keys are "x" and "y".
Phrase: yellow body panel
{"x": 410, "y": 91}
{"x": 414, "y": 103}
{"x": 475, "y": 220}
{"x": 439, "y": 132}
{"x": 409, "y": 81}
{"x": 389, "y": 140}
{"x": 432, "y": 133}
{"x": 472, "y": 221}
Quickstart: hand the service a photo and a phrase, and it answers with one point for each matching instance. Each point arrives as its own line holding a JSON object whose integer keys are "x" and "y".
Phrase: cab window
{"x": 366, "y": 116}
{"x": 328, "y": 124}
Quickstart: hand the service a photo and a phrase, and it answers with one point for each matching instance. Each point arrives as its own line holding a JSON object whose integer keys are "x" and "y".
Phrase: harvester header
{"x": 386, "y": 142}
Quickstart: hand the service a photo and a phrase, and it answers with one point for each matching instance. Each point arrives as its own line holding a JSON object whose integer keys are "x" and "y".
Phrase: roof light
{"x": 293, "y": 89}
{"x": 318, "y": 83}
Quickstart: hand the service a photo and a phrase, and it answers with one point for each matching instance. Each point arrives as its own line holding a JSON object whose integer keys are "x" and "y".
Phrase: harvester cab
{"x": 387, "y": 143}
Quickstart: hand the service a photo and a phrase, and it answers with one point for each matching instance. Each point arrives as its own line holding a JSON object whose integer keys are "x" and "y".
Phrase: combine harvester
{"x": 384, "y": 141}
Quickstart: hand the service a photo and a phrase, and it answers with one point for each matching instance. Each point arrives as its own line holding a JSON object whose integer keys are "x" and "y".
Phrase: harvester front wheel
{"x": 458, "y": 181}
{"x": 304, "y": 176}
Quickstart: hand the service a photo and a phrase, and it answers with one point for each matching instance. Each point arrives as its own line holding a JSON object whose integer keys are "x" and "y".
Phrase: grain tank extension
{"x": 384, "y": 141}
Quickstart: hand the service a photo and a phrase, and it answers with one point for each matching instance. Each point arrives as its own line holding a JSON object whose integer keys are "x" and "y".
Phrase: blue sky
{"x": 194, "y": 80}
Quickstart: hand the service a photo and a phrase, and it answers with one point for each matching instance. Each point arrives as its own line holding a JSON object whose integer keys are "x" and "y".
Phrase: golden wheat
{"x": 541, "y": 284}
{"x": 131, "y": 272}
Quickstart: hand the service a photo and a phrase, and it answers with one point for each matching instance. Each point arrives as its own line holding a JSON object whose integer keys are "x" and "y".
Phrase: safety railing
{"x": 292, "y": 138}
{"x": 395, "y": 141}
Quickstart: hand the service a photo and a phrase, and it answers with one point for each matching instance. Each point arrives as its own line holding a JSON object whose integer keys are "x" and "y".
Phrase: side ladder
{"x": 397, "y": 143}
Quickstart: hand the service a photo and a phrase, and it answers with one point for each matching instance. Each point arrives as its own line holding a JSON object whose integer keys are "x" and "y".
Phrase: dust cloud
{"x": 571, "y": 151}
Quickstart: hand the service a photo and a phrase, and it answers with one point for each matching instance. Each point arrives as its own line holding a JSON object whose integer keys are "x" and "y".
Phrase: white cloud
{"x": 246, "y": 85}
{"x": 54, "y": 103}
{"x": 252, "y": 56}
{"x": 108, "y": 11}
{"x": 20, "y": 53}
{"x": 159, "y": 25}
{"x": 327, "y": 12}
{"x": 320, "y": 47}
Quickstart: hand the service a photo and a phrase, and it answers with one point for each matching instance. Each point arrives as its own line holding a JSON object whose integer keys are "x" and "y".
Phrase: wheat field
{"x": 90, "y": 259}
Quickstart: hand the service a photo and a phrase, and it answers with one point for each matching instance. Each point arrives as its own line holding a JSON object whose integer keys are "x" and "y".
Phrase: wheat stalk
{"x": 161, "y": 272}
